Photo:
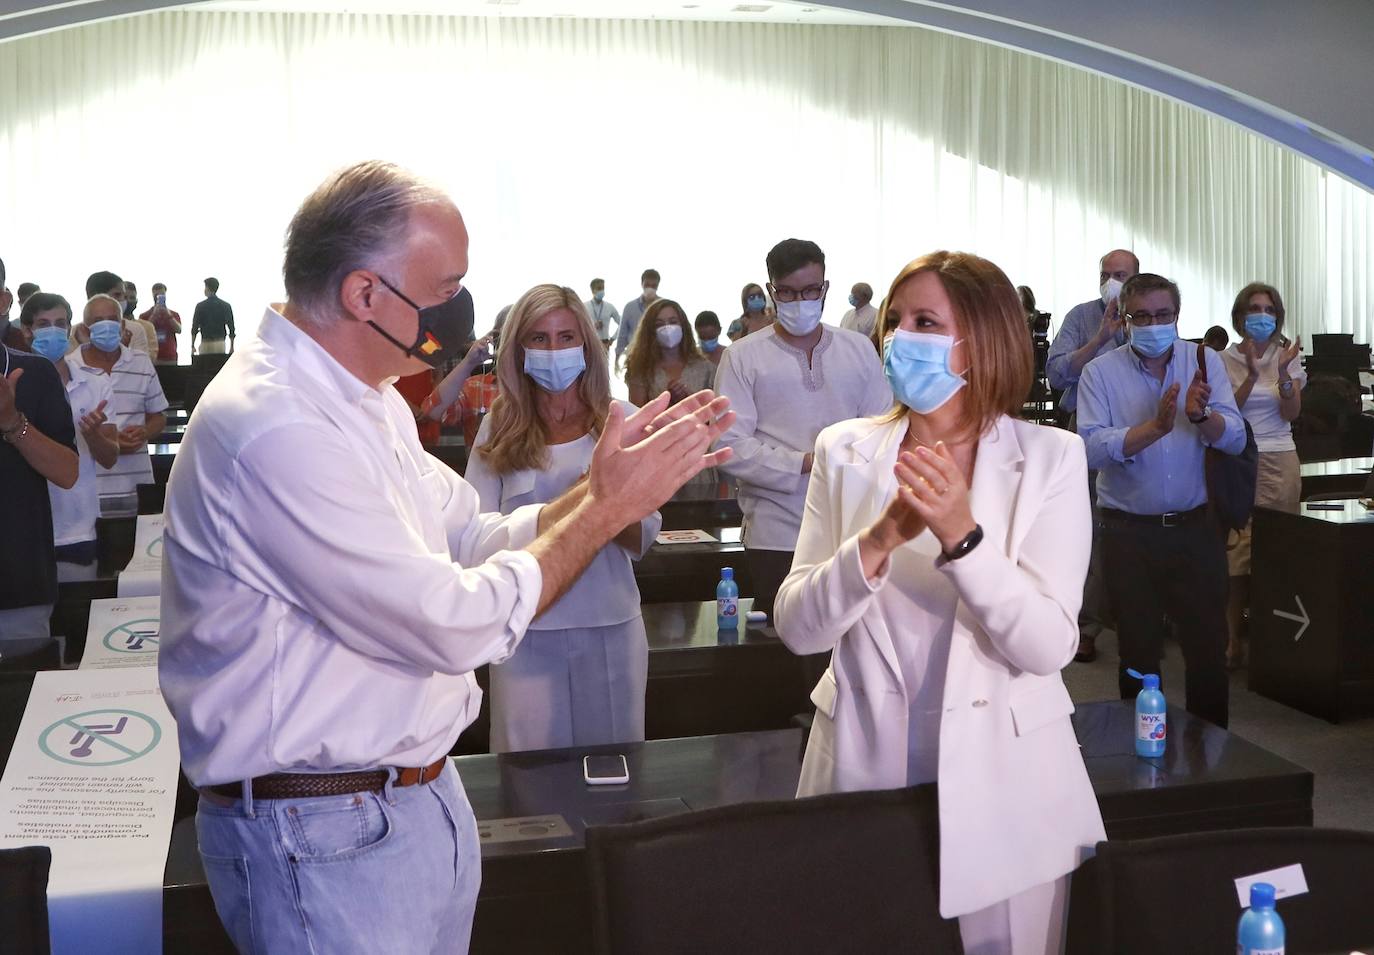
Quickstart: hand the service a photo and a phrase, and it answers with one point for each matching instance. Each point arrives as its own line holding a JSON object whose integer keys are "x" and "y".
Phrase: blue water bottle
{"x": 727, "y": 600}
{"x": 1151, "y": 720}
{"x": 1260, "y": 931}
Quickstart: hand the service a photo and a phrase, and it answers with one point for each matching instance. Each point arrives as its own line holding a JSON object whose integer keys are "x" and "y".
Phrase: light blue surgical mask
{"x": 1153, "y": 340}
{"x": 105, "y": 335}
{"x": 854, "y": 302}
{"x": 917, "y": 367}
{"x": 598, "y": 296}
{"x": 1260, "y": 326}
{"x": 555, "y": 370}
{"x": 755, "y": 303}
{"x": 50, "y": 342}
{"x": 710, "y": 344}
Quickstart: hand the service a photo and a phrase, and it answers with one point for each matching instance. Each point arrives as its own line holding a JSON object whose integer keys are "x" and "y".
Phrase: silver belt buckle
{"x": 1171, "y": 519}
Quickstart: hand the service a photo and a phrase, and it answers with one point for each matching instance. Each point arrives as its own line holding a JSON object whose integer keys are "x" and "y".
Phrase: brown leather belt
{"x": 307, "y": 785}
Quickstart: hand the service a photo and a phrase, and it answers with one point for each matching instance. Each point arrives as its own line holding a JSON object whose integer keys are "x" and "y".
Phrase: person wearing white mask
{"x": 603, "y": 313}
{"x": 578, "y": 677}
{"x": 139, "y": 405}
{"x": 1089, "y": 331}
{"x": 862, "y": 316}
{"x": 786, "y": 383}
{"x": 1148, "y": 411}
{"x": 1266, "y": 372}
{"x": 664, "y": 356}
{"x": 629, "y": 318}
{"x": 942, "y": 558}
{"x": 90, "y": 393}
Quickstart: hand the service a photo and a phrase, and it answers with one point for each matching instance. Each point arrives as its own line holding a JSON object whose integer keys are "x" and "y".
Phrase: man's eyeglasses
{"x": 1162, "y": 317}
{"x": 812, "y": 293}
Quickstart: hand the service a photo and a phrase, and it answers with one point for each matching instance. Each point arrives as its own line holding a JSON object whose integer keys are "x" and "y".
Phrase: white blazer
{"x": 1016, "y": 806}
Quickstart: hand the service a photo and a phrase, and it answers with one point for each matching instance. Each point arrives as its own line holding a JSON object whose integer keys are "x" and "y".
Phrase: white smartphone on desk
{"x": 605, "y": 770}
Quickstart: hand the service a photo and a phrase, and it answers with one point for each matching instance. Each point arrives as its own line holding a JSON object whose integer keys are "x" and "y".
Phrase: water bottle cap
{"x": 1261, "y": 896}
{"x": 727, "y": 573}
{"x": 1151, "y": 680}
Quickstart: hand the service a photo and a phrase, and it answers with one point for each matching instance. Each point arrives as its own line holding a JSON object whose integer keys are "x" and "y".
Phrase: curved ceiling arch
{"x": 1297, "y": 74}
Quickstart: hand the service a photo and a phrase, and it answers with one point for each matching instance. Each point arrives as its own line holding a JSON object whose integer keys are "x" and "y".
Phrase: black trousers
{"x": 769, "y": 568}
{"x": 1153, "y": 571}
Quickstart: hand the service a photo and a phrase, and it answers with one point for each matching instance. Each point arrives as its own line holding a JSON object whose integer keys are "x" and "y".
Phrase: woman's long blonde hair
{"x": 518, "y": 439}
{"x": 645, "y": 351}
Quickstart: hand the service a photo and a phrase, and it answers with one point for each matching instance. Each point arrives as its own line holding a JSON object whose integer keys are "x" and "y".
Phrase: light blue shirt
{"x": 1115, "y": 394}
{"x": 629, "y": 320}
{"x": 1079, "y": 327}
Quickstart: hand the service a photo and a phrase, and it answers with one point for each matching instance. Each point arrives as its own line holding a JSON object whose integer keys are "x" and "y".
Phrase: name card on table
{"x": 123, "y": 632}
{"x": 684, "y": 537}
{"x": 93, "y": 776}
{"x": 143, "y": 576}
{"x": 1287, "y": 882}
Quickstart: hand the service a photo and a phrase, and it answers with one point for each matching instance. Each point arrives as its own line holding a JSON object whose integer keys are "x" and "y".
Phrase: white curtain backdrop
{"x": 175, "y": 145}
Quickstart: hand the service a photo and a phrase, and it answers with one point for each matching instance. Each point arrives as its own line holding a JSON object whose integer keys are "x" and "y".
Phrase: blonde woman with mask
{"x": 664, "y": 356}
{"x": 941, "y": 557}
{"x": 577, "y": 679}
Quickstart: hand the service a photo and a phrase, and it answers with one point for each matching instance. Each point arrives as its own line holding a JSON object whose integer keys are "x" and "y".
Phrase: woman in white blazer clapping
{"x": 942, "y": 557}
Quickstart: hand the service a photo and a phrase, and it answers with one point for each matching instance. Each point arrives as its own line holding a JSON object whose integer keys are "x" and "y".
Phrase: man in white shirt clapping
{"x": 328, "y": 587}
{"x": 786, "y": 383}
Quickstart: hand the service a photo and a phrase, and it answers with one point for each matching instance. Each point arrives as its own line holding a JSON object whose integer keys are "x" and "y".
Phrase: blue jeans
{"x": 390, "y": 871}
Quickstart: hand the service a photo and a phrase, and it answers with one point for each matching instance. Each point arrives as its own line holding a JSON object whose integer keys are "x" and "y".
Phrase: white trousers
{"x": 1030, "y": 923}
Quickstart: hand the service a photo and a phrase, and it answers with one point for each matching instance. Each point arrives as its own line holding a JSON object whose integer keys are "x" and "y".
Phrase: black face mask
{"x": 444, "y": 328}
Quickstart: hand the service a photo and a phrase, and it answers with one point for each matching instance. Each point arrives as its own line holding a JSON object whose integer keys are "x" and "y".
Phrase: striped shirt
{"x": 137, "y": 394}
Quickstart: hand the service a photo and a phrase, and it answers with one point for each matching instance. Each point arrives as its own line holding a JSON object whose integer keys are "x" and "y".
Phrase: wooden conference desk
{"x": 698, "y": 506}
{"x": 534, "y": 895}
{"x": 676, "y": 572}
{"x": 1344, "y": 475}
{"x": 1312, "y": 609}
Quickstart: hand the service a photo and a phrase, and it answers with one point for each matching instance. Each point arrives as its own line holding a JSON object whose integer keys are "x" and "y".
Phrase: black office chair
{"x": 1177, "y": 894}
{"x": 851, "y": 872}
{"x": 24, "y": 900}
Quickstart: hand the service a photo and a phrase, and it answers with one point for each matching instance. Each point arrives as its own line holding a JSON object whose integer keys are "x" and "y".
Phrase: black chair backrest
{"x": 1177, "y": 894}
{"x": 24, "y": 900}
{"x": 850, "y": 872}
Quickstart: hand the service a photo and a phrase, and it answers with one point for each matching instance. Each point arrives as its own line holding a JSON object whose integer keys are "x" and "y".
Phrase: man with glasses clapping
{"x": 1147, "y": 413}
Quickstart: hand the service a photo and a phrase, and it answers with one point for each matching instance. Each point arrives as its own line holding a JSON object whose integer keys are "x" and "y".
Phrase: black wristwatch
{"x": 961, "y": 549}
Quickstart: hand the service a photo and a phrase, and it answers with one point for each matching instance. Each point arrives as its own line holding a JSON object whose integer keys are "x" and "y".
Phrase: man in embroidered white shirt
{"x": 785, "y": 384}
{"x": 328, "y": 586}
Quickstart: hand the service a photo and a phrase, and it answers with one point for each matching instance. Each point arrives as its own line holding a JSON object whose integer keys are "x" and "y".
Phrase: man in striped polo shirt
{"x": 138, "y": 399}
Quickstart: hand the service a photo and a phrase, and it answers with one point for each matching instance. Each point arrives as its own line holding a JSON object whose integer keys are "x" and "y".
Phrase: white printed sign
{"x": 143, "y": 576}
{"x": 684, "y": 537}
{"x": 1288, "y": 881}
{"x": 123, "y": 632}
{"x": 93, "y": 776}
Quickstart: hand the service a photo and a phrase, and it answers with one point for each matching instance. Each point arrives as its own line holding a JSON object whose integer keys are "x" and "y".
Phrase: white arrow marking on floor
{"x": 1304, "y": 619}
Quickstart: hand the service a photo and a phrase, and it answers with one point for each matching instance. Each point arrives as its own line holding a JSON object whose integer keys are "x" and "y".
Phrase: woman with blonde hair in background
{"x": 1267, "y": 376}
{"x": 577, "y": 679}
{"x": 941, "y": 557}
{"x": 664, "y": 356}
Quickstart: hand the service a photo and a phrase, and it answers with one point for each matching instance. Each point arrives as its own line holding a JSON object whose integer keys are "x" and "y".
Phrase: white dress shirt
{"x": 74, "y": 511}
{"x": 328, "y": 587}
{"x": 861, "y": 319}
{"x": 604, "y": 317}
{"x": 781, "y": 403}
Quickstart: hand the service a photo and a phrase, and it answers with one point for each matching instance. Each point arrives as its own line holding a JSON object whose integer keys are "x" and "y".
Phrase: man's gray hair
{"x": 102, "y": 297}
{"x": 354, "y": 219}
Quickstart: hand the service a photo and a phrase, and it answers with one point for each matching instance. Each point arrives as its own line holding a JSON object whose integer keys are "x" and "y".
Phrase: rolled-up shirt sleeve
{"x": 1104, "y": 439}
{"x": 1223, "y": 402}
{"x": 338, "y": 552}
